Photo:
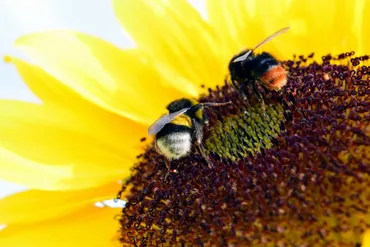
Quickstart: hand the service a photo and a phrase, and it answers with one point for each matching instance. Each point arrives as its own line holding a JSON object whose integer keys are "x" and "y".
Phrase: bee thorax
{"x": 174, "y": 145}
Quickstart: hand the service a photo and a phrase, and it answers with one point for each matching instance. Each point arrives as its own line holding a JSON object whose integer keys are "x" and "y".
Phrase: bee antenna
{"x": 208, "y": 104}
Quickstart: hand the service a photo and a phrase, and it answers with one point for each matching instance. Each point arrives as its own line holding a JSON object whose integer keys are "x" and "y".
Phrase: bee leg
{"x": 260, "y": 98}
{"x": 235, "y": 84}
{"x": 240, "y": 88}
{"x": 168, "y": 165}
{"x": 203, "y": 153}
{"x": 205, "y": 119}
{"x": 242, "y": 91}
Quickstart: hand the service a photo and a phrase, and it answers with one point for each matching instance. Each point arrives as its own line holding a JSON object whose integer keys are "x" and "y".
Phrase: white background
{"x": 20, "y": 17}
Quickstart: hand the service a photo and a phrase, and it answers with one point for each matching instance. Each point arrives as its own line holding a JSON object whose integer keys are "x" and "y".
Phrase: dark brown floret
{"x": 297, "y": 177}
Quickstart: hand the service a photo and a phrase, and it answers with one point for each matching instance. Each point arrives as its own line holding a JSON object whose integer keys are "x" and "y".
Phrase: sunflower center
{"x": 297, "y": 175}
{"x": 236, "y": 136}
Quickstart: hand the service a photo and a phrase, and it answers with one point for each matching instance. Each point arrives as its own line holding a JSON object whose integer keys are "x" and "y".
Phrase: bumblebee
{"x": 247, "y": 68}
{"x": 177, "y": 132}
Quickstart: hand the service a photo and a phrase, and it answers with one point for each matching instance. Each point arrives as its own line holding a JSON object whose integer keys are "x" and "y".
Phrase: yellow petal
{"x": 23, "y": 171}
{"x": 185, "y": 48}
{"x": 364, "y": 27}
{"x": 91, "y": 226}
{"x": 51, "y": 135}
{"x": 87, "y": 149}
{"x": 366, "y": 239}
{"x": 246, "y": 23}
{"x": 35, "y": 205}
{"x": 120, "y": 81}
{"x": 48, "y": 88}
{"x": 36, "y": 175}
{"x": 72, "y": 105}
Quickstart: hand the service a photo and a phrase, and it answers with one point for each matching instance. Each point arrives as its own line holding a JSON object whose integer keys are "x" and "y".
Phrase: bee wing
{"x": 242, "y": 58}
{"x": 165, "y": 119}
{"x": 281, "y": 31}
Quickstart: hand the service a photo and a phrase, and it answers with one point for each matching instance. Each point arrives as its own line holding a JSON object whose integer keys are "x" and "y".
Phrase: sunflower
{"x": 74, "y": 148}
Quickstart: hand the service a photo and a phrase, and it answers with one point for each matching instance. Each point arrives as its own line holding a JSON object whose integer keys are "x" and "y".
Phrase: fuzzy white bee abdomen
{"x": 174, "y": 145}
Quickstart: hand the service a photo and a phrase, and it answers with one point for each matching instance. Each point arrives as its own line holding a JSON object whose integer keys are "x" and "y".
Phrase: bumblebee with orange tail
{"x": 176, "y": 132}
{"x": 248, "y": 68}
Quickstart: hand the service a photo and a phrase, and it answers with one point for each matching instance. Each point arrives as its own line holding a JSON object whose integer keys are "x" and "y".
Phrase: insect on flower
{"x": 176, "y": 132}
{"x": 247, "y": 68}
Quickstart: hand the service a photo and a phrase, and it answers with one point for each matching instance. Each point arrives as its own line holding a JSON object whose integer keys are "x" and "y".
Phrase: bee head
{"x": 238, "y": 62}
{"x": 196, "y": 110}
{"x": 180, "y": 104}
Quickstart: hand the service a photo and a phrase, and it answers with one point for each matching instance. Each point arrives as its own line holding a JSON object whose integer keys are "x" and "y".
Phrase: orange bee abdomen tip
{"x": 275, "y": 78}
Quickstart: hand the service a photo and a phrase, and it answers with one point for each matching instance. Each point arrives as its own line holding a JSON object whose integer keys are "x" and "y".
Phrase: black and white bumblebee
{"x": 177, "y": 132}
